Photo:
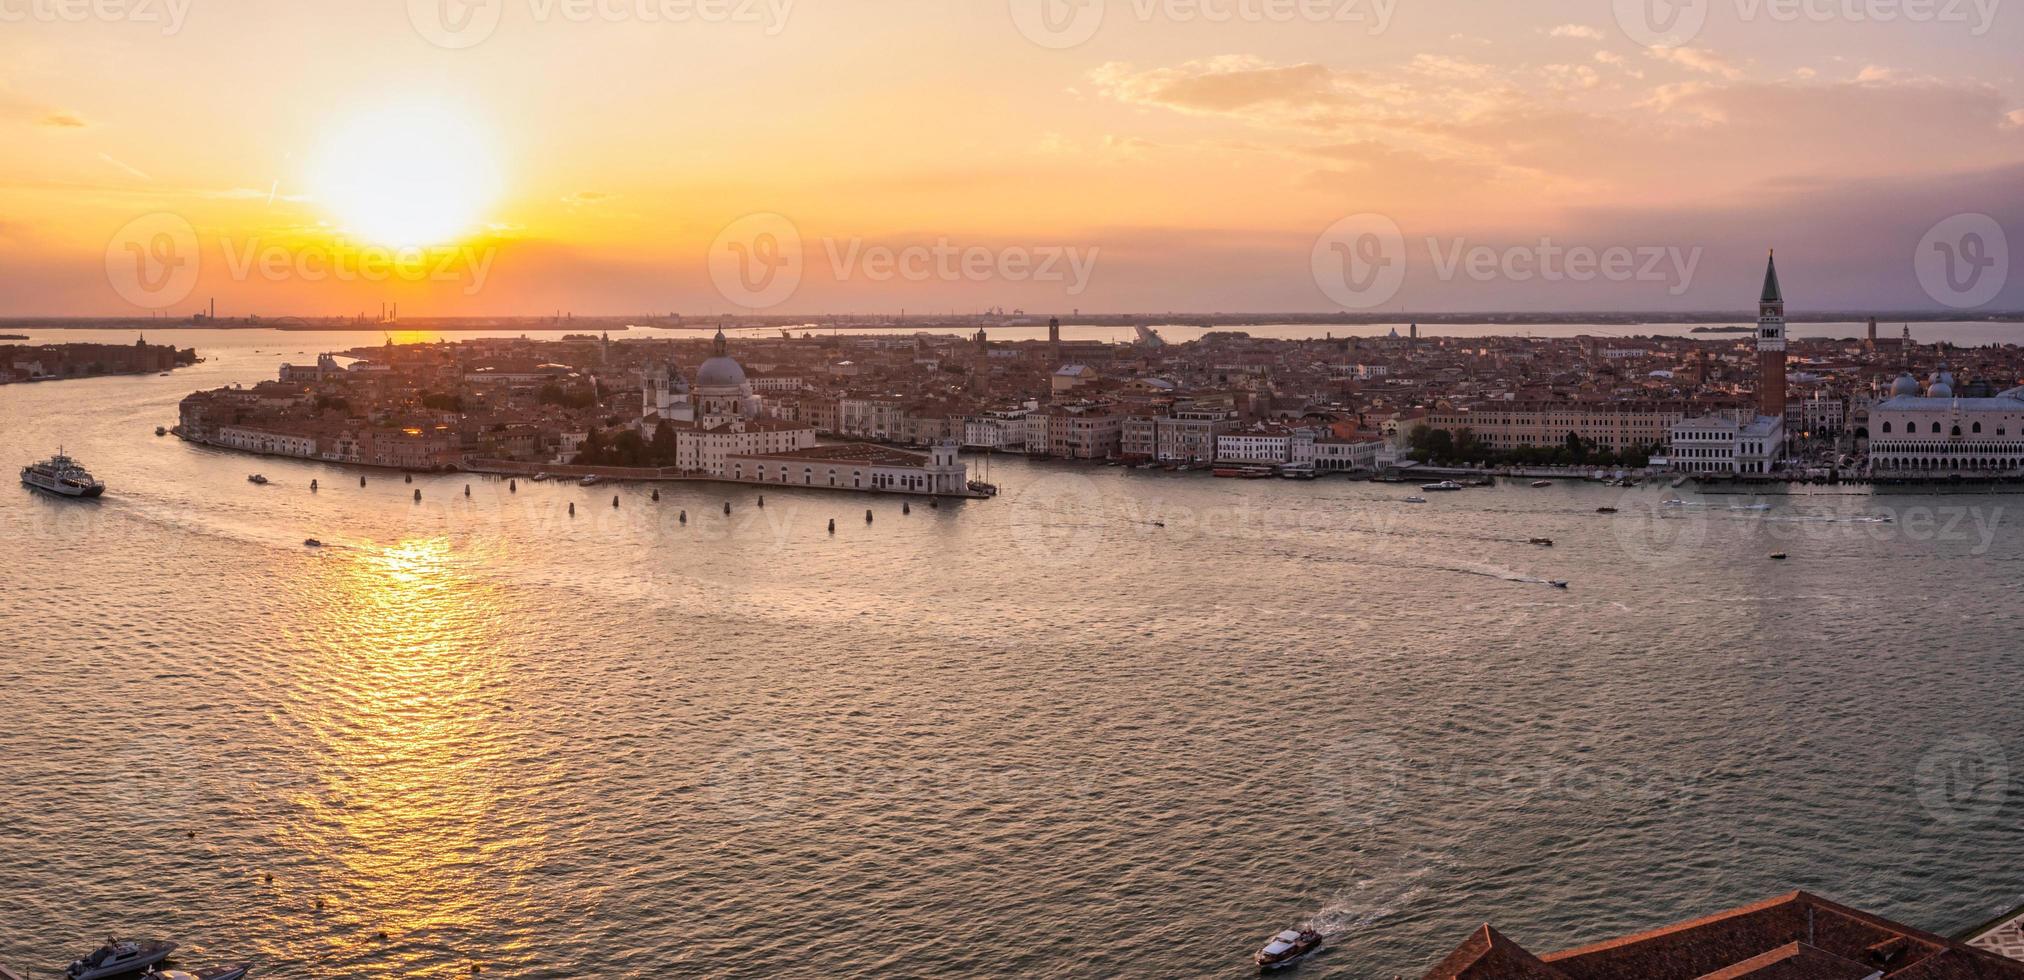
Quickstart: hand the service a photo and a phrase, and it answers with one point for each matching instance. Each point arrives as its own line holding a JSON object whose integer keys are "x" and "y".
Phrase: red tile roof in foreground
{"x": 1792, "y": 937}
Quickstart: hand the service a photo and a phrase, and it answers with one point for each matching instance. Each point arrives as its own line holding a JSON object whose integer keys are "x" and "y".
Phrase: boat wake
{"x": 1502, "y": 574}
{"x": 1371, "y": 901}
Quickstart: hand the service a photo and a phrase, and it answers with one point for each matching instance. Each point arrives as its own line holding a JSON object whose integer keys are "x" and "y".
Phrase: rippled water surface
{"x": 1037, "y": 734}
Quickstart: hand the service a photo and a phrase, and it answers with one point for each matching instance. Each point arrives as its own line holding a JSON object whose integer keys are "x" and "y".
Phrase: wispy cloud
{"x": 129, "y": 169}
{"x": 1697, "y": 59}
{"x": 1577, "y": 30}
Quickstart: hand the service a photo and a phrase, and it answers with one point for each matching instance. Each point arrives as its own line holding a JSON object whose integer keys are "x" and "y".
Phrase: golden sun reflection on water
{"x": 408, "y": 708}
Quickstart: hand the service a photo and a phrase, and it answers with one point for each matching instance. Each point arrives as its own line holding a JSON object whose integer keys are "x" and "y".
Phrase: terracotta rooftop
{"x": 1798, "y": 936}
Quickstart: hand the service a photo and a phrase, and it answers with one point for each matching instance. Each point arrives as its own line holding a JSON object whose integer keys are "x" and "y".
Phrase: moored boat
{"x": 1541, "y": 483}
{"x": 257, "y": 478}
{"x": 61, "y": 475}
{"x": 1287, "y": 947}
{"x": 118, "y": 957}
{"x": 1444, "y": 485}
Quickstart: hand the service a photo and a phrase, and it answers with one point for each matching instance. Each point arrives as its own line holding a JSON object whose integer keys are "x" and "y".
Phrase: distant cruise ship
{"x": 60, "y": 474}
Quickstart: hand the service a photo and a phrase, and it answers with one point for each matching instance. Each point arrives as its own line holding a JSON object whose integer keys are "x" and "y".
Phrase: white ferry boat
{"x": 59, "y": 474}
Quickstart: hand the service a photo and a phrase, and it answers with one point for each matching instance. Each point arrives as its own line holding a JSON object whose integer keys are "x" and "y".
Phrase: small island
{"x": 58, "y": 362}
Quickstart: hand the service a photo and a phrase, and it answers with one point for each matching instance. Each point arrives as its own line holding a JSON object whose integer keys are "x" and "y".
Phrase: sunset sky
{"x": 593, "y": 161}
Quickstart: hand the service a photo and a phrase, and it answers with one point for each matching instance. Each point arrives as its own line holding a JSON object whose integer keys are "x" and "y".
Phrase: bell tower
{"x": 1771, "y": 344}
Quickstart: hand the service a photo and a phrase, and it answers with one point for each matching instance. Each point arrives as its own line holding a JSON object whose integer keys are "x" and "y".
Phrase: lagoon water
{"x": 1039, "y": 734}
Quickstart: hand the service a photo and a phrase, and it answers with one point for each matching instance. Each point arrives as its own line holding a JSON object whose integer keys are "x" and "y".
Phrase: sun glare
{"x": 411, "y": 175}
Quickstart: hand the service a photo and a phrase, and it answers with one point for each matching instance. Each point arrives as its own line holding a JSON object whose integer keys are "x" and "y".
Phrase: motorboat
{"x": 1542, "y": 542}
{"x": 538, "y": 478}
{"x": 1416, "y": 500}
{"x": 161, "y": 430}
{"x": 230, "y": 972}
{"x": 61, "y": 475}
{"x": 1538, "y": 484}
{"x": 311, "y": 543}
{"x": 1673, "y": 502}
{"x": 1605, "y": 510}
{"x": 1558, "y": 583}
{"x": 1287, "y": 947}
{"x": 590, "y": 481}
{"x": 1778, "y": 556}
{"x": 257, "y": 478}
{"x": 118, "y": 957}
{"x": 1444, "y": 485}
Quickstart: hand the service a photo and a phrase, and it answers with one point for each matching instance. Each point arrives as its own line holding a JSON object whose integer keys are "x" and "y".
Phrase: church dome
{"x": 1905, "y": 385}
{"x": 1940, "y": 389}
{"x": 720, "y": 371}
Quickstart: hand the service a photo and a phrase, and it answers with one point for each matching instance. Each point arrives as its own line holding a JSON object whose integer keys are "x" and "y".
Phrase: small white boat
{"x": 118, "y": 957}
{"x": 538, "y": 478}
{"x": 1674, "y": 502}
{"x": 1287, "y": 947}
{"x": 1536, "y": 484}
{"x": 257, "y": 478}
{"x": 1444, "y": 485}
{"x": 231, "y": 972}
{"x": 1416, "y": 500}
{"x": 589, "y": 481}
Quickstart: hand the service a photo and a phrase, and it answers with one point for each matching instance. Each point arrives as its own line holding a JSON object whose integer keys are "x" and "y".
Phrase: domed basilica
{"x": 721, "y": 392}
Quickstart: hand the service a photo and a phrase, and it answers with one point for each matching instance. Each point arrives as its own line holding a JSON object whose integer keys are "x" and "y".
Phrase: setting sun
{"x": 405, "y": 176}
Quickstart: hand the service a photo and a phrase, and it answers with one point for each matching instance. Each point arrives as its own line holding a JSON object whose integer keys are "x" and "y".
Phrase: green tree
{"x": 662, "y": 449}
